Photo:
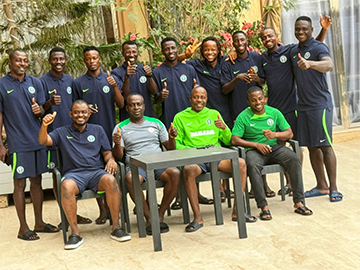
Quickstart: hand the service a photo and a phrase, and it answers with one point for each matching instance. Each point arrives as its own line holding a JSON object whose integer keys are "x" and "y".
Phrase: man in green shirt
{"x": 199, "y": 126}
{"x": 257, "y": 128}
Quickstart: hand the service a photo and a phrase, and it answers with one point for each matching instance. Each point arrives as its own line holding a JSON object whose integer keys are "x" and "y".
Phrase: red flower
{"x": 132, "y": 36}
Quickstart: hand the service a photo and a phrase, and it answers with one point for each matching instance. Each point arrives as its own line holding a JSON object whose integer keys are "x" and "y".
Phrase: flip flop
{"x": 248, "y": 218}
{"x": 270, "y": 194}
{"x": 335, "y": 196}
{"x": 265, "y": 213}
{"x": 48, "y": 228}
{"x": 163, "y": 228}
{"x": 101, "y": 220}
{"x": 26, "y": 236}
{"x": 193, "y": 226}
{"x": 176, "y": 205}
{"x": 287, "y": 191}
{"x": 223, "y": 196}
{"x": 204, "y": 200}
{"x": 314, "y": 192}
{"x": 83, "y": 220}
{"x": 303, "y": 210}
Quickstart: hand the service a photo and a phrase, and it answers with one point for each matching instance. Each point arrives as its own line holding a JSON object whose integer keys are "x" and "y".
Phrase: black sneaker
{"x": 74, "y": 242}
{"x": 120, "y": 235}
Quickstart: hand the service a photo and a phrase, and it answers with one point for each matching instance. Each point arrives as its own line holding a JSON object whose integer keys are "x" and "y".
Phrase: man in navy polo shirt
{"x": 174, "y": 82}
{"x": 135, "y": 78}
{"x": 82, "y": 146}
{"x": 21, "y": 99}
{"x": 236, "y": 79}
{"x": 101, "y": 92}
{"x": 311, "y": 60}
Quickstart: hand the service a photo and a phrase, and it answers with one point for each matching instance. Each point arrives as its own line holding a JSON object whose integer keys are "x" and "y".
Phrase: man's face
{"x": 18, "y": 64}
{"x": 303, "y": 31}
{"x": 79, "y": 114}
{"x": 240, "y": 43}
{"x": 198, "y": 99}
{"x": 256, "y": 101}
{"x": 92, "y": 60}
{"x": 210, "y": 51}
{"x": 269, "y": 39}
{"x": 135, "y": 107}
{"x": 170, "y": 51}
{"x": 57, "y": 61}
{"x": 130, "y": 53}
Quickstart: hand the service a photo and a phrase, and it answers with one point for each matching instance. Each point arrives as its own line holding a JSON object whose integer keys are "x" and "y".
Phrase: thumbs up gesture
{"x": 117, "y": 136}
{"x": 164, "y": 92}
{"x": 35, "y": 108}
{"x": 48, "y": 119}
{"x": 147, "y": 69}
{"x": 55, "y": 99}
{"x": 131, "y": 69}
{"x": 219, "y": 123}
{"x": 172, "y": 131}
{"x": 110, "y": 79}
{"x": 195, "y": 84}
{"x": 303, "y": 63}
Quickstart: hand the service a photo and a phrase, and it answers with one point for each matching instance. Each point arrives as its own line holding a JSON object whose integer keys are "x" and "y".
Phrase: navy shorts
{"x": 28, "y": 164}
{"x": 206, "y": 167}
{"x": 85, "y": 179}
{"x": 291, "y": 118}
{"x": 142, "y": 172}
{"x": 315, "y": 128}
{"x": 52, "y": 159}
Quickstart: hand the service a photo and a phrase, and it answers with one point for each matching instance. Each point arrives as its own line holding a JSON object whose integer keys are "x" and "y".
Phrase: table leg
{"x": 155, "y": 223}
{"x": 239, "y": 198}
{"x": 216, "y": 193}
{"x": 138, "y": 200}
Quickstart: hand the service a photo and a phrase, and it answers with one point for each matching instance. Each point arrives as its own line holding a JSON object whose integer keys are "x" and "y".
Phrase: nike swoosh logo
{"x": 9, "y": 91}
{"x": 69, "y": 137}
{"x": 321, "y": 141}
{"x": 206, "y": 72}
{"x": 188, "y": 124}
{"x": 85, "y": 90}
{"x": 50, "y": 92}
{"x": 129, "y": 132}
{"x": 236, "y": 72}
{"x": 163, "y": 80}
{"x": 265, "y": 64}
{"x": 251, "y": 125}
{"x": 294, "y": 56}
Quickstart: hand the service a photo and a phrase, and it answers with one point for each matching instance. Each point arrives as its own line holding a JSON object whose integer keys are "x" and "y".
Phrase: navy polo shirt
{"x": 180, "y": 82}
{"x": 210, "y": 80}
{"x": 311, "y": 84}
{"x": 229, "y": 71}
{"x": 21, "y": 124}
{"x": 280, "y": 79}
{"x": 96, "y": 90}
{"x": 63, "y": 89}
{"x": 81, "y": 150}
{"x": 138, "y": 83}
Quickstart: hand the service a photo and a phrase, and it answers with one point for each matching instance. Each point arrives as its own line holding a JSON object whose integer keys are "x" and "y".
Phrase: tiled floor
{"x": 330, "y": 239}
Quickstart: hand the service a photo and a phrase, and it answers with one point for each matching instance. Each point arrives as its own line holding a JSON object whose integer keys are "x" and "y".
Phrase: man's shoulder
{"x": 153, "y": 120}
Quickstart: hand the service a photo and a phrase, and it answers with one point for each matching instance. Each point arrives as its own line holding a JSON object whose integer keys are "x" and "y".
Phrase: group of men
{"x": 85, "y": 138}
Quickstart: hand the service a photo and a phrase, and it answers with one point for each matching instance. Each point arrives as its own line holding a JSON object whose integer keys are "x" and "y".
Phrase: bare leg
{"x": 190, "y": 173}
{"x": 103, "y": 213}
{"x": 330, "y": 165}
{"x": 69, "y": 190}
{"x": 317, "y": 164}
{"x": 172, "y": 178}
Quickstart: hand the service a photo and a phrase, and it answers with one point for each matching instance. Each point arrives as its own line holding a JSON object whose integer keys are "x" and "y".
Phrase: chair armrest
{"x": 240, "y": 149}
{"x": 295, "y": 146}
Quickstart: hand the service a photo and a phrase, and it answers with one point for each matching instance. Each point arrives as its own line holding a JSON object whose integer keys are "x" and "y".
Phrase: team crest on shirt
{"x": 142, "y": 79}
{"x": 307, "y": 55}
{"x": 256, "y": 69}
{"x": 183, "y": 78}
{"x": 106, "y": 89}
{"x": 51, "y": 165}
{"x": 283, "y": 59}
{"x": 31, "y": 90}
{"x": 270, "y": 122}
{"x": 151, "y": 129}
{"x": 20, "y": 170}
{"x": 69, "y": 90}
{"x": 91, "y": 138}
{"x": 209, "y": 122}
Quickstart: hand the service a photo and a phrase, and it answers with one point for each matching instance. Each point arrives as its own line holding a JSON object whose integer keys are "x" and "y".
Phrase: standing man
{"x": 100, "y": 91}
{"x": 311, "y": 60}
{"x": 139, "y": 135}
{"x": 83, "y": 146}
{"x": 58, "y": 96}
{"x": 21, "y": 100}
{"x": 135, "y": 78}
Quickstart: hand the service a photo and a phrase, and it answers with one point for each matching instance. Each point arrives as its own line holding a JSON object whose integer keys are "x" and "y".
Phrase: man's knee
{"x": 242, "y": 164}
{"x": 191, "y": 171}
{"x": 171, "y": 174}
{"x": 68, "y": 188}
{"x": 110, "y": 180}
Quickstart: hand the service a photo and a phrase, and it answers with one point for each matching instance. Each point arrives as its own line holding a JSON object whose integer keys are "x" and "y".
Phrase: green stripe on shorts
{"x": 325, "y": 127}
{"x": 14, "y": 164}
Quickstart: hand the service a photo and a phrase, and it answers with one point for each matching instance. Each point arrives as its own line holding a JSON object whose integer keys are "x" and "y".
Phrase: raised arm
{"x": 325, "y": 24}
{"x": 43, "y": 137}
{"x": 119, "y": 99}
{"x": 171, "y": 143}
{"x": 117, "y": 150}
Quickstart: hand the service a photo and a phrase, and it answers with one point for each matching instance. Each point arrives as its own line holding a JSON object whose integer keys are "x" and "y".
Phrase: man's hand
{"x": 325, "y": 23}
{"x": 3, "y": 153}
{"x": 232, "y": 57}
{"x": 93, "y": 108}
{"x": 243, "y": 77}
{"x": 35, "y": 107}
{"x": 111, "y": 166}
{"x": 269, "y": 134}
{"x": 48, "y": 119}
{"x": 117, "y": 137}
{"x": 131, "y": 69}
{"x": 303, "y": 63}
{"x": 219, "y": 123}
{"x": 147, "y": 69}
{"x": 55, "y": 99}
{"x": 194, "y": 83}
{"x": 172, "y": 131}
{"x": 164, "y": 93}
{"x": 110, "y": 79}
{"x": 263, "y": 148}
{"x": 191, "y": 49}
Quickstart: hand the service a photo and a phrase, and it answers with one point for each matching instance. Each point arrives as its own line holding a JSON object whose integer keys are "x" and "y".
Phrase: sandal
{"x": 204, "y": 200}
{"x": 265, "y": 213}
{"x": 223, "y": 196}
{"x": 83, "y": 220}
{"x": 303, "y": 210}
{"x": 287, "y": 191}
{"x": 270, "y": 194}
{"x": 176, "y": 205}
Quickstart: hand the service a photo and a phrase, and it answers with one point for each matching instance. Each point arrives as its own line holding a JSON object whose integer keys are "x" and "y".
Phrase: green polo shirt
{"x": 250, "y": 126}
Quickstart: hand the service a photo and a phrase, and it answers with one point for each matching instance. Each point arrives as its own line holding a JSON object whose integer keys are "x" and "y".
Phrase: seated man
{"x": 199, "y": 126}
{"x": 82, "y": 146}
{"x": 256, "y": 129}
{"x": 138, "y": 135}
